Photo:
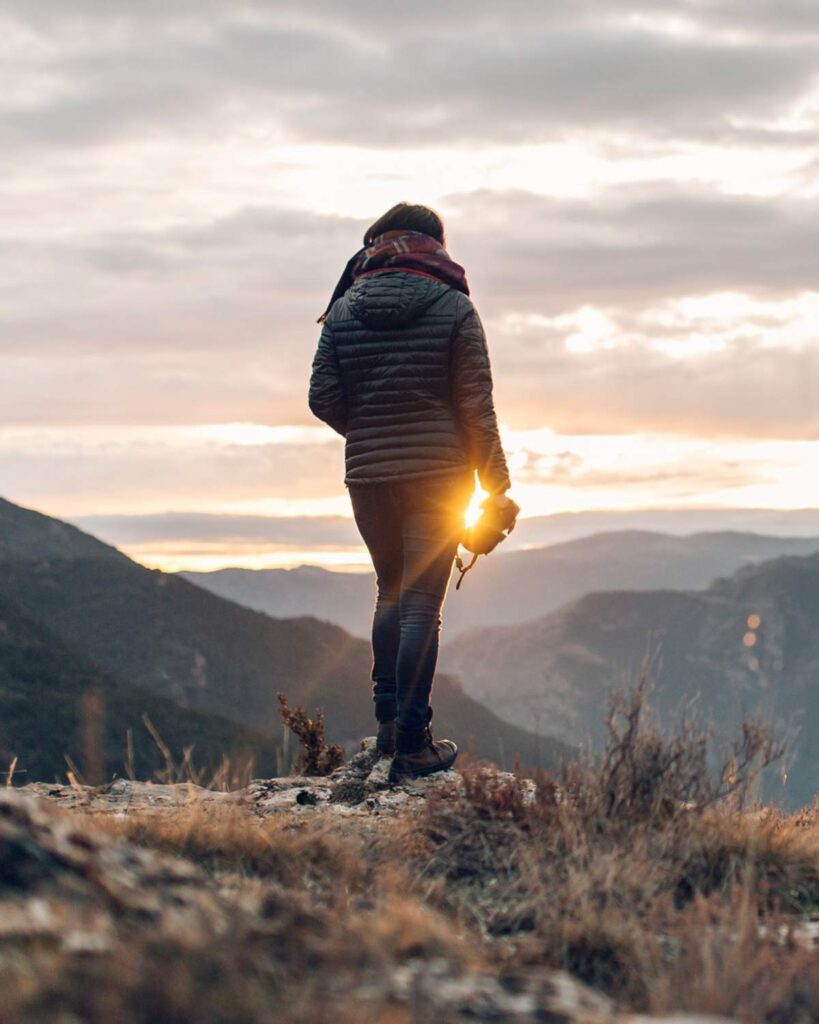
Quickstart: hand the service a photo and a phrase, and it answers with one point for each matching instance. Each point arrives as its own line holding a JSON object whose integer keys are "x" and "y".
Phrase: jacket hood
{"x": 392, "y": 298}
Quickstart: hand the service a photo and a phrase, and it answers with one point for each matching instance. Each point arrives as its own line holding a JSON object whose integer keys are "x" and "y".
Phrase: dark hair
{"x": 407, "y": 217}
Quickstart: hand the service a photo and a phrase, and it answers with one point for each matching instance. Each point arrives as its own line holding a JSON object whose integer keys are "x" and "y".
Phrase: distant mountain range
{"x": 748, "y": 643}
{"x": 256, "y": 532}
{"x": 69, "y": 599}
{"x": 537, "y": 531}
{"x": 78, "y": 617}
{"x": 508, "y": 588}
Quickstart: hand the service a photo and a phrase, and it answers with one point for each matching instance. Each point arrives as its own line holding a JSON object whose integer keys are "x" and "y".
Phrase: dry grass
{"x": 516, "y": 875}
{"x": 292, "y": 851}
{"x": 323, "y": 918}
{"x": 636, "y": 873}
{"x": 635, "y": 913}
{"x": 645, "y": 880}
{"x": 227, "y": 981}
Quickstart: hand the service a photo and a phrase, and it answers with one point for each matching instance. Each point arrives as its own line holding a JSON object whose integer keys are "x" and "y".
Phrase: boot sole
{"x": 419, "y": 773}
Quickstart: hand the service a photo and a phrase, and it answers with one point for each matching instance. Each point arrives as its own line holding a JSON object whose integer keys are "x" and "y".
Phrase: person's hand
{"x": 505, "y": 507}
{"x": 500, "y": 500}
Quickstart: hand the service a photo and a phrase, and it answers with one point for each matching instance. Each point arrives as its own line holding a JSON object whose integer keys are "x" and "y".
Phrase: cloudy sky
{"x": 632, "y": 186}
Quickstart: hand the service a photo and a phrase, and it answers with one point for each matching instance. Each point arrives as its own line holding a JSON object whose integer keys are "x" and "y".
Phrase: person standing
{"x": 402, "y": 372}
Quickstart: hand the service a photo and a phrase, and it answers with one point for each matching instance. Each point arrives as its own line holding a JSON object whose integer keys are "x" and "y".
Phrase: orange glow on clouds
{"x": 297, "y": 471}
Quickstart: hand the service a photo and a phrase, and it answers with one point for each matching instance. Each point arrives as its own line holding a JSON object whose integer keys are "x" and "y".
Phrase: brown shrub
{"x": 317, "y": 757}
{"x": 645, "y": 775}
{"x": 596, "y": 869}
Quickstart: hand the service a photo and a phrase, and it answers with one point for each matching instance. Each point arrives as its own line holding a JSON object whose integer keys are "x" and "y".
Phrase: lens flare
{"x": 473, "y": 512}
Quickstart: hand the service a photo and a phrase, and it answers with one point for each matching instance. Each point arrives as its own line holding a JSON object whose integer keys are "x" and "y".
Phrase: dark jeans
{"x": 411, "y": 529}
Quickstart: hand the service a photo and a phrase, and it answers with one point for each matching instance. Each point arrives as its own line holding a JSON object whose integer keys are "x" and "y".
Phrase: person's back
{"x": 402, "y": 371}
{"x": 391, "y": 333}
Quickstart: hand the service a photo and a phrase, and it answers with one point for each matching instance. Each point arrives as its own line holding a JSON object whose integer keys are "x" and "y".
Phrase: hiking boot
{"x": 436, "y": 756}
{"x": 418, "y": 754}
{"x": 385, "y": 739}
{"x": 386, "y": 712}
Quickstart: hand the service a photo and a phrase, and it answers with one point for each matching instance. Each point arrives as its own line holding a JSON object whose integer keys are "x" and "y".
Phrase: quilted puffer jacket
{"x": 402, "y": 372}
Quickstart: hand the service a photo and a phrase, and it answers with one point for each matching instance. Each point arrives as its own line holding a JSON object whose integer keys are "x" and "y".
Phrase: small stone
{"x": 676, "y": 1018}
{"x": 349, "y": 791}
{"x": 379, "y": 777}
{"x": 86, "y": 942}
{"x": 566, "y": 998}
{"x": 362, "y": 762}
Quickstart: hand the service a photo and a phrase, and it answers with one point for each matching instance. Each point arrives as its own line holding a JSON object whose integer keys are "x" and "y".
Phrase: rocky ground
{"x": 139, "y": 902}
{"x": 360, "y": 789}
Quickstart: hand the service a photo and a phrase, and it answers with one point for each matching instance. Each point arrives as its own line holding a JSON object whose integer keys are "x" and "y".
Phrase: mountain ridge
{"x": 746, "y": 644}
{"x": 516, "y": 586}
{"x": 163, "y": 634}
{"x": 27, "y": 533}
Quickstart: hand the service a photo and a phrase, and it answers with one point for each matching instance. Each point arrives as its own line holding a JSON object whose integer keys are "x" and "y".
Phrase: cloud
{"x": 207, "y": 322}
{"x": 674, "y": 476}
{"x": 267, "y": 267}
{"x": 304, "y": 531}
{"x": 459, "y": 73}
{"x": 215, "y": 321}
{"x": 112, "y": 469}
{"x": 160, "y": 264}
{"x": 632, "y": 384}
{"x": 633, "y": 244}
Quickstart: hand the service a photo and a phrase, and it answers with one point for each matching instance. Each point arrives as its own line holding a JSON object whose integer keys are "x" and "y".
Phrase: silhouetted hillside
{"x": 560, "y": 669}
{"x": 46, "y": 690}
{"x": 518, "y": 586}
{"x": 28, "y": 534}
{"x": 161, "y": 633}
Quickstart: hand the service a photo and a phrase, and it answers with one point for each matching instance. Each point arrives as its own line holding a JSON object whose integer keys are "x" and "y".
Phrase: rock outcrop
{"x": 360, "y": 788}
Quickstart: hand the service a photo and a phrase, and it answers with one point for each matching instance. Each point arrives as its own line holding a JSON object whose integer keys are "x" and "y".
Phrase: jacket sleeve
{"x": 326, "y": 399}
{"x": 474, "y": 404}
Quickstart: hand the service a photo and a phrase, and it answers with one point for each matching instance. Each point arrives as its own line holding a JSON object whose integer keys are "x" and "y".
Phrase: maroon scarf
{"x": 410, "y": 251}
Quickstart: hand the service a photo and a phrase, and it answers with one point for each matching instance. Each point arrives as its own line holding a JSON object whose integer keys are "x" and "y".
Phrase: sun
{"x": 473, "y": 512}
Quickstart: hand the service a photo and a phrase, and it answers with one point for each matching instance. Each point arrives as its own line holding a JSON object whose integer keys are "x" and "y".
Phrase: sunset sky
{"x": 633, "y": 188}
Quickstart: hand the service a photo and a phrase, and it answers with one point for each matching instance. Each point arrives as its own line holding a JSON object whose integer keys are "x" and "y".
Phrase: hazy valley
{"x": 518, "y": 585}
{"x": 82, "y": 616}
{"x": 746, "y": 645}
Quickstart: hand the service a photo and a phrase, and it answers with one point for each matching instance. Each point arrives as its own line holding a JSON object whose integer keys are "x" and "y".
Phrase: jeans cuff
{"x": 385, "y": 710}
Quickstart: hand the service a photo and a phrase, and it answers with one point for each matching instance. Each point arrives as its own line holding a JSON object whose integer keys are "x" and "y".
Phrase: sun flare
{"x": 473, "y": 512}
